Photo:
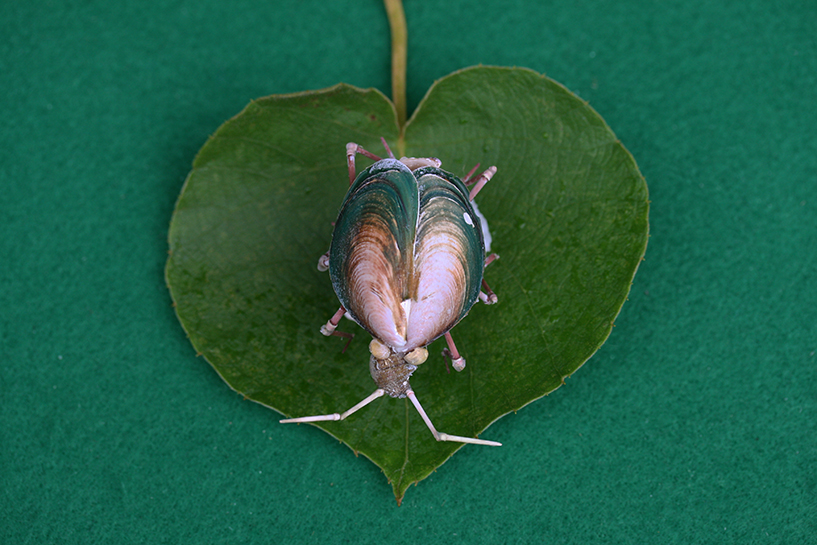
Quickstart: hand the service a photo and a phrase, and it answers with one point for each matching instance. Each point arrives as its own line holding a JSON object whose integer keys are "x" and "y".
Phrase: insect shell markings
{"x": 406, "y": 262}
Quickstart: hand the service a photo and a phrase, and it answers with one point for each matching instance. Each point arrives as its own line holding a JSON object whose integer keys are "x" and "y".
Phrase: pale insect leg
{"x": 388, "y": 149}
{"x": 329, "y": 328}
{"x": 457, "y": 361}
{"x": 323, "y": 262}
{"x": 480, "y": 182}
{"x": 470, "y": 173}
{"x": 487, "y": 296}
{"x": 444, "y": 436}
{"x": 351, "y": 150}
{"x": 335, "y": 416}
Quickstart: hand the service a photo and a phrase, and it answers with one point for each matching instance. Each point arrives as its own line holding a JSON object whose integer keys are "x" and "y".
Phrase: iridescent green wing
{"x": 449, "y": 257}
{"x": 370, "y": 259}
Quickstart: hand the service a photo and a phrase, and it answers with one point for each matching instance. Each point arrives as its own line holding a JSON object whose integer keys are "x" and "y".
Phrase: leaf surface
{"x": 568, "y": 214}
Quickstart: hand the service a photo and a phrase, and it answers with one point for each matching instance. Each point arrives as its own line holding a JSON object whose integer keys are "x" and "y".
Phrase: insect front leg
{"x": 328, "y": 329}
{"x": 457, "y": 361}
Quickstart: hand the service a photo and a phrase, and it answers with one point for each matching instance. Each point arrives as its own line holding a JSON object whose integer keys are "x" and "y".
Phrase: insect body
{"x": 406, "y": 262}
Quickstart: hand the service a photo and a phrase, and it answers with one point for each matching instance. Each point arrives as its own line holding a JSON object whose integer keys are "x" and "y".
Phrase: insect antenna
{"x": 444, "y": 436}
{"x": 335, "y": 416}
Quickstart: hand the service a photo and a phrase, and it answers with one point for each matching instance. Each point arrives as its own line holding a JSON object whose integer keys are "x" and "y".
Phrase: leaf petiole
{"x": 399, "y": 49}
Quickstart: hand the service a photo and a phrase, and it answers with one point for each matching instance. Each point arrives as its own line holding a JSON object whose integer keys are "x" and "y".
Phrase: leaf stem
{"x": 399, "y": 49}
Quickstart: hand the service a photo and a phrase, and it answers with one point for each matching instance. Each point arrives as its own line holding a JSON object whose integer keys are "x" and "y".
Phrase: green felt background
{"x": 695, "y": 423}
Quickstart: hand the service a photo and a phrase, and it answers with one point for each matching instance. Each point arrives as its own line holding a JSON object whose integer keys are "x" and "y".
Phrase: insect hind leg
{"x": 480, "y": 182}
{"x": 353, "y": 149}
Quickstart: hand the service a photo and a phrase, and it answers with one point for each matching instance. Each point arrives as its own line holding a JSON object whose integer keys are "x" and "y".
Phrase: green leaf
{"x": 567, "y": 210}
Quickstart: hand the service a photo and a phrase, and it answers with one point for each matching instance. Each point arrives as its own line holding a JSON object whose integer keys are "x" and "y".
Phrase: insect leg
{"x": 457, "y": 361}
{"x": 329, "y": 327}
{"x": 386, "y": 145}
{"x": 335, "y": 416}
{"x": 351, "y": 150}
{"x": 323, "y": 262}
{"x": 480, "y": 182}
{"x": 444, "y": 436}
{"x": 470, "y": 173}
{"x": 488, "y": 296}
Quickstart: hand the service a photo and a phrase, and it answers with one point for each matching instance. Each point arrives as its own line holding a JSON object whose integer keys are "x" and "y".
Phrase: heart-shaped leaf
{"x": 568, "y": 213}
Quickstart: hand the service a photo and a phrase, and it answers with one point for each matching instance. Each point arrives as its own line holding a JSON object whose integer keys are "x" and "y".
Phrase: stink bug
{"x": 406, "y": 262}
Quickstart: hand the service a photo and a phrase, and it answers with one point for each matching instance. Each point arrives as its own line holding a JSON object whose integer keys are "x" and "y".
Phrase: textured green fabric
{"x": 695, "y": 423}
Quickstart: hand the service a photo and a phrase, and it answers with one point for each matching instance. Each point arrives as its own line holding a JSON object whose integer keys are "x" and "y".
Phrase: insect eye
{"x": 379, "y": 350}
{"x": 416, "y": 356}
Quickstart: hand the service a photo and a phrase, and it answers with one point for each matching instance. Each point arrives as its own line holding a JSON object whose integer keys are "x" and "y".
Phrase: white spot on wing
{"x": 486, "y": 234}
